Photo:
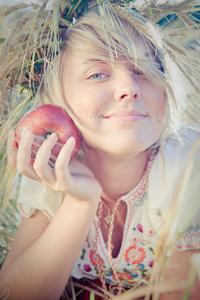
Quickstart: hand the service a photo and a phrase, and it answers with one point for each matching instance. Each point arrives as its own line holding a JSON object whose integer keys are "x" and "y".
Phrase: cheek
{"x": 76, "y": 102}
{"x": 159, "y": 117}
{"x": 83, "y": 110}
{"x": 86, "y": 104}
{"x": 159, "y": 109}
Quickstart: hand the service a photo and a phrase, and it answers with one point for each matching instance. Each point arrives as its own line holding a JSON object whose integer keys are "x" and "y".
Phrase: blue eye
{"x": 97, "y": 76}
{"x": 138, "y": 72}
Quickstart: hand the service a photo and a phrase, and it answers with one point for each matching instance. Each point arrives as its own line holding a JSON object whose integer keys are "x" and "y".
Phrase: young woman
{"x": 100, "y": 215}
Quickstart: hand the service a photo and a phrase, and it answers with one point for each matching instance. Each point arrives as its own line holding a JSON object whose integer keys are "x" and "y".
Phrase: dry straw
{"x": 30, "y": 37}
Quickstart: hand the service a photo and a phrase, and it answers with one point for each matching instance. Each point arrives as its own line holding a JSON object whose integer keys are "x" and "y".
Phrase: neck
{"x": 117, "y": 176}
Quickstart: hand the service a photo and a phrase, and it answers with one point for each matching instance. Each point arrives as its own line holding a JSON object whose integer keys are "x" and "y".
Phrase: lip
{"x": 129, "y": 116}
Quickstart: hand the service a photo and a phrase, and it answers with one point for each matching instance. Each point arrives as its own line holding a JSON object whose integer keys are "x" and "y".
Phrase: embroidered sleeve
{"x": 190, "y": 217}
{"x": 190, "y": 239}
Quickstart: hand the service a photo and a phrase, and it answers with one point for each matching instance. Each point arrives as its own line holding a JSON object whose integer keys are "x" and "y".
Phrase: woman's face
{"x": 122, "y": 111}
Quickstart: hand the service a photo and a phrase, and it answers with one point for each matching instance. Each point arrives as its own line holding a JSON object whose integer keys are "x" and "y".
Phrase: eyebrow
{"x": 90, "y": 61}
{"x": 93, "y": 60}
{"x": 147, "y": 54}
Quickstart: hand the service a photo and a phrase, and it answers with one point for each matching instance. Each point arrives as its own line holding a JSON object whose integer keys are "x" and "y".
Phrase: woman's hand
{"x": 68, "y": 176}
{"x": 31, "y": 261}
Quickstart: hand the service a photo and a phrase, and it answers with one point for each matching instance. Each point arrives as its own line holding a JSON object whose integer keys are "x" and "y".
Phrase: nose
{"x": 127, "y": 88}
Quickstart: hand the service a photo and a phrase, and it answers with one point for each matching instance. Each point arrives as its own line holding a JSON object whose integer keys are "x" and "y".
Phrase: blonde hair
{"x": 111, "y": 32}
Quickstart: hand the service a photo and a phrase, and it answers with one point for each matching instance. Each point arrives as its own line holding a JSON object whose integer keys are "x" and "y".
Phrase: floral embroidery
{"x": 138, "y": 270}
{"x": 107, "y": 272}
{"x": 136, "y": 256}
{"x": 151, "y": 249}
{"x": 93, "y": 259}
{"x": 140, "y": 227}
{"x": 135, "y": 238}
{"x": 151, "y": 264}
{"x": 82, "y": 254}
{"x": 139, "y": 195}
{"x": 190, "y": 239}
{"x": 133, "y": 255}
{"x": 150, "y": 231}
{"x": 87, "y": 268}
{"x": 124, "y": 276}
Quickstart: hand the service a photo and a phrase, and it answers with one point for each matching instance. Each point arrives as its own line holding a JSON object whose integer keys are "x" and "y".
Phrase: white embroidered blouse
{"x": 147, "y": 207}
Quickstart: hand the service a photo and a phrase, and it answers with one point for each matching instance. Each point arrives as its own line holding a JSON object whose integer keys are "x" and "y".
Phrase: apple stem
{"x": 47, "y": 134}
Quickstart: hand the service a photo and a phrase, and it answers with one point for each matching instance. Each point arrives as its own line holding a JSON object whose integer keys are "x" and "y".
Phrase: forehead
{"x": 119, "y": 39}
{"x": 88, "y": 52}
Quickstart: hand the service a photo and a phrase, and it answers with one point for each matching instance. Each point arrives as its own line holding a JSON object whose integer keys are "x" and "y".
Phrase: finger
{"x": 24, "y": 165}
{"x": 41, "y": 164}
{"x": 12, "y": 149}
{"x": 66, "y": 152}
{"x": 62, "y": 162}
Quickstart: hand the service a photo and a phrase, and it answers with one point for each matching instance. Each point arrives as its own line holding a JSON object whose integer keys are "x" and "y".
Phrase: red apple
{"x": 45, "y": 120}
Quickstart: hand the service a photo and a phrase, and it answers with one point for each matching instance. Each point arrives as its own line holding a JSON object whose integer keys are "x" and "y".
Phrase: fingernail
{"x": 72, "y": 140}
{"x": 24, "y": 131}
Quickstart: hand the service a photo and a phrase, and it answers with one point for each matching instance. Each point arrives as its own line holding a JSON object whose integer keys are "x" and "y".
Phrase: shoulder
{"x": 174, "y": 154}
{"x": 179, "y": 156}
{"x": 179, "y": 148}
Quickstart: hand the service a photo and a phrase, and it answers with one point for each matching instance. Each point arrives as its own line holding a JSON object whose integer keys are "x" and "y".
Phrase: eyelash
{"x": 100, "y": 76}
{"x": 97, "y": 76}
{"x": 138, "y": 72}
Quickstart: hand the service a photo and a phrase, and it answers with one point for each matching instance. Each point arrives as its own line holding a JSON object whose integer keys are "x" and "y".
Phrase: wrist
{"x": 75, "y": 202}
